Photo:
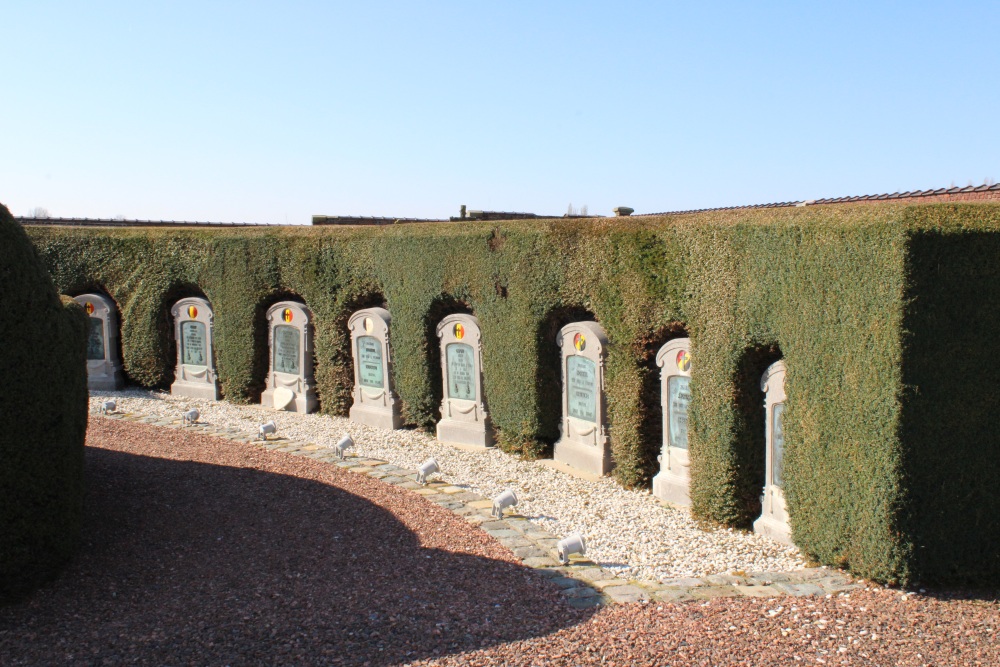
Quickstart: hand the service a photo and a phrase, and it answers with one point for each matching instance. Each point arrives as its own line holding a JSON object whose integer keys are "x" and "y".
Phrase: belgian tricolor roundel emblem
{"x": 684, "y": 361}
{"x": 286, "y": 315}
{"x": 89, "y": 307}
{"x": 192, "y": 312}
{"x": 579, "y": 342}
{"x": 459, "y": 331}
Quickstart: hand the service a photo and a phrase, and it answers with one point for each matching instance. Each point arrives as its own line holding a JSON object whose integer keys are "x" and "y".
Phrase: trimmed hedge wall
{"x": 43, "y": 394}
{"x": 849, "y": 296}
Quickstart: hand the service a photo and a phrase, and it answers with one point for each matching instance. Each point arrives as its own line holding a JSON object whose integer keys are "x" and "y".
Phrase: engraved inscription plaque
{"x": 95, "y": 339}
{"x": 679, "y": 390}
{"x": 460, "y": 367}
{"x": 287, "y": 341}
{"x": 777, "y": 445}
{"x": 370, "y": 362}
{"x": 193, "y": 347}
{"x": 581, "y": 397}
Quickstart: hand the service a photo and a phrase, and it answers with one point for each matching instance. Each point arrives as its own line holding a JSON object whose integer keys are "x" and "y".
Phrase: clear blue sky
{"x": 273, "y": 112}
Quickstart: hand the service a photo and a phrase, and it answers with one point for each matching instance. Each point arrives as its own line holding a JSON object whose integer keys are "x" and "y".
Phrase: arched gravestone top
{"x": 583, "y": 442}
{"x": 773, "y": 520}
{"x": 290, "y": 382}
{"x": 104, "y": 365}
{"x": 464, "y": 416}
{"x": 375, "y": 400}
{"x": 194, "y": 373}
{"x": 672, "y": 482}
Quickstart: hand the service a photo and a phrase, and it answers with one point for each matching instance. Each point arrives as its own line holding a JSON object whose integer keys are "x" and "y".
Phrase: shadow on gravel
{"x": 191, "y": 563}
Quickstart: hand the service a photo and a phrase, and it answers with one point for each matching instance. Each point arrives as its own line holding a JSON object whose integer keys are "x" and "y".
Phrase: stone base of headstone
{"x": 102, "y": 377}
{"x": 202, "y": 390}
{"x": 302, "y": 403}
{"x": 106, "y": 383}
{"x": 589, "y": 458}
{"x": 779, "y": 531}
{"x": 387, "y": 418}
{"x": 673, "y": 489}
{"x": 464, "y": 433}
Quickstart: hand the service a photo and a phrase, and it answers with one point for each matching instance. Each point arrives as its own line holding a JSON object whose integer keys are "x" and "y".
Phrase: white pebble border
{"x": 627, "y": 532}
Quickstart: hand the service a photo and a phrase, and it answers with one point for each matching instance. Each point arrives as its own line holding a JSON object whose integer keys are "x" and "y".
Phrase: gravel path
{"x": 873, "y": 627}
{"x": 201, "y": 551}
{"x": 628, "y": 532}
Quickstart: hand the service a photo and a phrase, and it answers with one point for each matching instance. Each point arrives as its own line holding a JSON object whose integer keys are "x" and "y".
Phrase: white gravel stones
{"x": 627, "y": 532}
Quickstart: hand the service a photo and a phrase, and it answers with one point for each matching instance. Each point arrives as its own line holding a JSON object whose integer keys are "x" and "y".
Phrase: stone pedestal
{"x": 672, "y": 483}
{"x": 375, "y": 401}
{"x": 583, "y": 442}
{"x": 464, "y": 417}
{"x": 104, "y": 365}
{"x": 194, "y": 373}
{"x": 773, "y": 521}
{"x": 290, "y": 382}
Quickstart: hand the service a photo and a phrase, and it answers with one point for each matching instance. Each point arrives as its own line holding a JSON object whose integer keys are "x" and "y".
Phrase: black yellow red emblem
{"x": 89, "y": 307}
{"x": 192, "y": 312}
{"x": 579, "y": 342}
{"x": 684, "y": 361}
{"x": 459, "y": 331}
{"x": 287, "y": 315}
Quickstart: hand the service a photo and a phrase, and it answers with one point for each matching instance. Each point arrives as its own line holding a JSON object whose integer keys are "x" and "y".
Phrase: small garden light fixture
{"x": 345, "y": 443}
{"x": 506, "y": 499}
{"x": 270, "y": 428}
{"x": 426, "y": 469}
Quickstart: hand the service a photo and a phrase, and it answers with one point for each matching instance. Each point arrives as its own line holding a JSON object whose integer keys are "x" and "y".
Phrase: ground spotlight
{"x": 106, "y": 407}
{"x": 191, "y": 417}
{"x": 572, "y": 544}
{"x": 345, "y": 443}
{"x": 270, "y": 428}
{"x": 426, "y": 469}
{"x": 503, "y": 501}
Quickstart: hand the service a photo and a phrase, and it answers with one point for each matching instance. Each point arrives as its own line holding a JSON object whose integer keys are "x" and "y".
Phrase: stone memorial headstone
{"x": 773, "y": 521}
{"x": 673, "y": 481}
{"x": 375, "y": 401}
{"x": 583, "y": 442}
{"x": 194, "y": 374}
{"x": 104, "y": 364}
{"x": 464, "y": 418}
{"x": 290, "y": 383}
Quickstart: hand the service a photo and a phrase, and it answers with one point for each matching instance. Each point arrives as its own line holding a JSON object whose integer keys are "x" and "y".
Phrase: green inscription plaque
{"x": 287, "y": 343}
{"x": 95, "y": 339}
{"x": 581, "y": 389}
{"x": 777, "y": 445}
{"x": 193, "y": 344}
{"x": 370, "y": 362}
{"x": 461, "y": 368}
{"x": 679, "y": 397}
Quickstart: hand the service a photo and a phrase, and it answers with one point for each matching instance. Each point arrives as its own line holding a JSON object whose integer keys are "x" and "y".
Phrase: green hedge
{"x": 43, "y": 394}
{"x": 837, "y": 291}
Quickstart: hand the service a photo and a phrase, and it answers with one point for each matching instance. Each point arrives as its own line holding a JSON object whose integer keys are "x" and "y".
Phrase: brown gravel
{"x": 201, "y": 551}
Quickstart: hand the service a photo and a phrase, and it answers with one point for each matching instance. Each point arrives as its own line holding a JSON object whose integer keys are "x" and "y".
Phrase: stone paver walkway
{"x": 583, "y": 582}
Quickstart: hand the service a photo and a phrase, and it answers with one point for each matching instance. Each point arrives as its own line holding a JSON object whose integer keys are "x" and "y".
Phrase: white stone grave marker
{"x": 583, "y": 442}
{"x": 290, "y": 383}
{"x": 375, "y": 401}
{"x": 673, "y": 481}
{"x": 194, "y": 374}
{"x": 464, "y": 418}
{"x": 104, "y": 365}
{"x": 773, "y": 521}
